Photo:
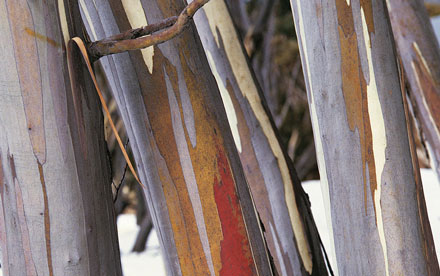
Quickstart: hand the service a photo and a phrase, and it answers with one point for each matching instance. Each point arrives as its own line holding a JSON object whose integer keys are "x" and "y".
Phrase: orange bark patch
{"x": 186, "y": 236}
{"x": 204, "y": 155}
{"x": 354, "y": 88}
{"x": 41, "y": 37}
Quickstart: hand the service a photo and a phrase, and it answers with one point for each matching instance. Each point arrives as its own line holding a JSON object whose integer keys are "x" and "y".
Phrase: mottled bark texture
{"x": 419, "y": 50}
{"x": 282, "y": 205}
{"x": 180, "y": 138}
{"x": 56, "y": 215}
{"x": 361, "y": 137}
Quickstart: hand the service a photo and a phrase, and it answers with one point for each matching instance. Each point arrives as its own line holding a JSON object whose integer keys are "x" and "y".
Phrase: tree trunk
{"x": 284, "y": 210}
{"x": 56, "y": 215}
{"x": 184, "y": 150}
{"x": 361, "y": 137}
{"x": 418, "y": 45}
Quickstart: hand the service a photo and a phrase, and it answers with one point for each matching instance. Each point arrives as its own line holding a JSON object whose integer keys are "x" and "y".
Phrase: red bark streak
{"x": 235, "y": 251}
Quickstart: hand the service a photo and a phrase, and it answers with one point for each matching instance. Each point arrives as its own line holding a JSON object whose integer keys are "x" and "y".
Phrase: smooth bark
{"x": 282, "y": 205}
{"x": 184, "y": 151}
{"x": 361, "y": 137}
{"x": 56, "y": 215}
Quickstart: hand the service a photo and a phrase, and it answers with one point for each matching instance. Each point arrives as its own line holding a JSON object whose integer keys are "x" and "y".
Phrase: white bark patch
{"x": 137, "y": 19}
{"x": 224, "y": 25}
{"x": 318, "y": 142}
{"x": 227, "y": 102}
{"x": 416, "y": 47}
{"x": 85, "y": 12}
{"x": 188, "y": 172}
{"x": 63, "y": 21}
{"x": 389, "y": 6}
{"x": 378, "y": 136}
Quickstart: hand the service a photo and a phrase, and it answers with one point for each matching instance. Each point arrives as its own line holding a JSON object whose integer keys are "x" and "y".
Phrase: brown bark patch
{"x": 46, "y": 220}
{"x": 354, "y": 88}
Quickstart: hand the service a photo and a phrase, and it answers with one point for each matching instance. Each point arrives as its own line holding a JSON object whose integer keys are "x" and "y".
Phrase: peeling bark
{"x": 361, "y": 138}
{"x": 282, "y": 205}
{"x": 196, "y": 190}
{"x": 418, "y": 45}
{"x": 56, "y": 216}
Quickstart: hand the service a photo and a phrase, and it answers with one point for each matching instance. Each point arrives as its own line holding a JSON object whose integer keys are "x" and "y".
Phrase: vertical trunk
{"x": 56, "y": 215}
{"x": 416, "y": 41}
{"x": 290, "y": 232}
{"x": 184, "y": 151}
{"x": 361, "y": 137}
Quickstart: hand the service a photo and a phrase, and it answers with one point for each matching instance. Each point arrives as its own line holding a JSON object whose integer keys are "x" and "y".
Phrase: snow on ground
{"x": 137, "y": 264}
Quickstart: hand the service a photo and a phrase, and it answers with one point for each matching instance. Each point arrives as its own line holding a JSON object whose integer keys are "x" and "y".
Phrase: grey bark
{"x": 361, "y": 137}
{"x": 56, "y": 215}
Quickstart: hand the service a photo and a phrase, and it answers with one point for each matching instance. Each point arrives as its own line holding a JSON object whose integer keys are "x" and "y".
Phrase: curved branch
{"x": 143, "y": 37}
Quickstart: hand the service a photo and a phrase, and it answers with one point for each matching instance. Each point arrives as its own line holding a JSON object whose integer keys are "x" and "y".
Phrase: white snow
{"x": 136, "y": 264}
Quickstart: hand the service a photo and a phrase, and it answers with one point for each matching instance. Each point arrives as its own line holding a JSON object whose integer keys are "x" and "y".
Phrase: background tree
{"x": 272, "y": 47}
{"x": 56, "y": 215}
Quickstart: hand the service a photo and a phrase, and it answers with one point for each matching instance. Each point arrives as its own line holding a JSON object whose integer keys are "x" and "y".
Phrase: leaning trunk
{"x": 56, "y": 215}
{"x": 184, "y": 150}
{"x": 282, "y": 205}
{"x": 361, "y": 137}
{"x": 416, "y": 41}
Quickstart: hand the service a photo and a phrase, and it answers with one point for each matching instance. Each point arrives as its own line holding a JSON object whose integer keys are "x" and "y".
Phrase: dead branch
{"x": 145, "y": 36}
